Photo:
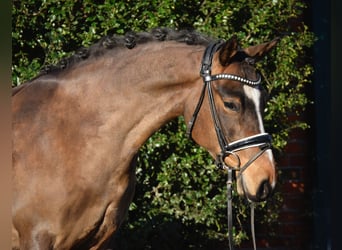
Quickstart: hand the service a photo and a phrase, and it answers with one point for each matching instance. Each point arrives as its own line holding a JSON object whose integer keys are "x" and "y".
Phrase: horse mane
{"x": 129, "y": 40}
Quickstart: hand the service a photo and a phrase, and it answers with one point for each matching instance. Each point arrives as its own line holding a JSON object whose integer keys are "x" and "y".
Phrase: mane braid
{"x": 129, "y": 40}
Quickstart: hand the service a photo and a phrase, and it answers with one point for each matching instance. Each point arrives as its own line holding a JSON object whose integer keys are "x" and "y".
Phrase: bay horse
{"x": 78, "y": 125}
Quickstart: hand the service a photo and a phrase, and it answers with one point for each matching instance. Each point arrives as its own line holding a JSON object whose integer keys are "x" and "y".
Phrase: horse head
{"x": 228, "y": 117}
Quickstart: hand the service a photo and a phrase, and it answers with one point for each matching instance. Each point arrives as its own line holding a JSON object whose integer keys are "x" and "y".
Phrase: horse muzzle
{"x": 252, "y": 160}
{"x": 257, "y": 182}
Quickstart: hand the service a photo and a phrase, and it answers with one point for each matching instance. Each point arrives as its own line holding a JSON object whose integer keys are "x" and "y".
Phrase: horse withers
{"x": 78, "y": 126}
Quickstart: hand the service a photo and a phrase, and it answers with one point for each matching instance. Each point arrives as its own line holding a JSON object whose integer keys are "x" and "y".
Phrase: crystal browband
{"x": 232, "y": 77}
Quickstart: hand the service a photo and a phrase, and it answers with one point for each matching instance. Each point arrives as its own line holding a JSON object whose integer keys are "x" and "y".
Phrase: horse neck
{"x": 143, "y": 89}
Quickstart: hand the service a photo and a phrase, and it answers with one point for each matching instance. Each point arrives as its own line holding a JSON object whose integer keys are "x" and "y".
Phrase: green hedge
{"x": 180, "y": 198}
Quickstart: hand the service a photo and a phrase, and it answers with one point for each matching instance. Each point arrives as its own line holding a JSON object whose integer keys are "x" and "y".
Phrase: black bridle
{"x": 262, "y": 140}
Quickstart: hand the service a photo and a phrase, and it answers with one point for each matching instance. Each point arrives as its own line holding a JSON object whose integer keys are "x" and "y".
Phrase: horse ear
{"x": 228, "y": 50}
{"x": 258, "y": 51}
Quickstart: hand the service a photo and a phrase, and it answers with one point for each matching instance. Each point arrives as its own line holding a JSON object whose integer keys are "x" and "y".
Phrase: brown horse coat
{"x": 76, "y": 132}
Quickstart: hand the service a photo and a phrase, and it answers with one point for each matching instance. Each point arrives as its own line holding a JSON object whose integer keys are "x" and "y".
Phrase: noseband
{"x": 262, "y": 140}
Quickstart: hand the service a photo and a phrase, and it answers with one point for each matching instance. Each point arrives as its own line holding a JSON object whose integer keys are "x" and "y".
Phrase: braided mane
{"x": 129, "y": 40}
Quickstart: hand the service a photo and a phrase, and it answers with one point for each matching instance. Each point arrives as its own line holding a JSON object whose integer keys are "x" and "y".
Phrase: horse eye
{"x": 232, "y": 106}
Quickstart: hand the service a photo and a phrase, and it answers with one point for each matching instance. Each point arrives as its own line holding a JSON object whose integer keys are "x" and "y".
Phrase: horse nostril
{"x": 264, "y": 191}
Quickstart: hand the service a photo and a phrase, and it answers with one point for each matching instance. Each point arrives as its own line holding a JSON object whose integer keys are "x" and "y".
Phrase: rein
{"x": 262, "y": 140}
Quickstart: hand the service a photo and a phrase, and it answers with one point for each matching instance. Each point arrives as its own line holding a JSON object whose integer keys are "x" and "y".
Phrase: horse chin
{"x": 242, "y": 190}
